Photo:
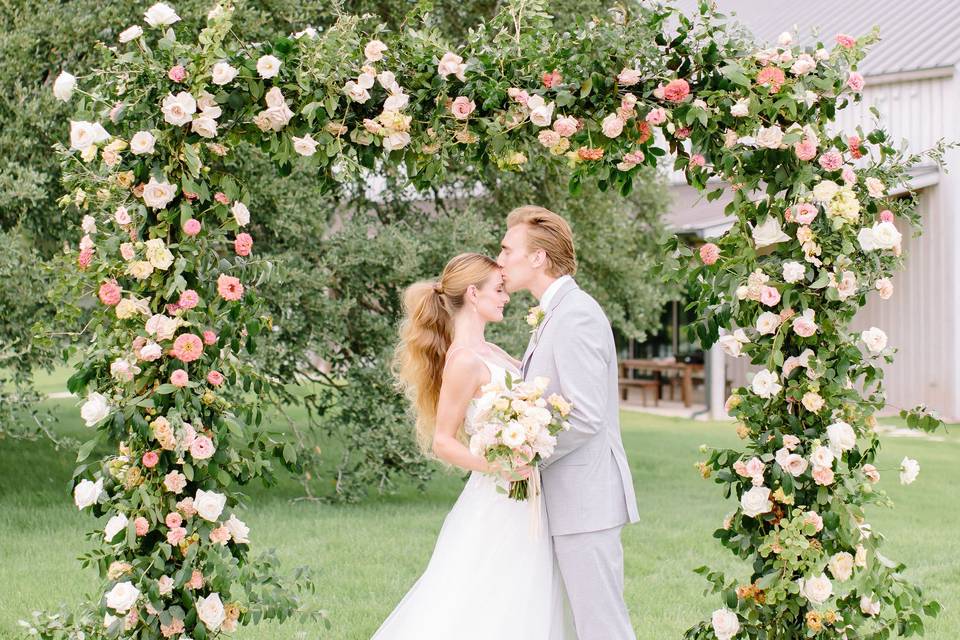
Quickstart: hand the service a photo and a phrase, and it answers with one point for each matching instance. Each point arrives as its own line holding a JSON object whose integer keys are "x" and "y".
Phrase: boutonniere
{"x": 535, "y": 317}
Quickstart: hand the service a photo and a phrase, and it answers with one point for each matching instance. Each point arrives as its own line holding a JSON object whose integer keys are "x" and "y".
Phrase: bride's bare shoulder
{"x": 497, "y": 349}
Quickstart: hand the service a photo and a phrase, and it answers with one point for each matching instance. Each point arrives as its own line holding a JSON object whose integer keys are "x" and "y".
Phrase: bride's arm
{"x": 506, "y": 355}
{"x": 461, "y": 378}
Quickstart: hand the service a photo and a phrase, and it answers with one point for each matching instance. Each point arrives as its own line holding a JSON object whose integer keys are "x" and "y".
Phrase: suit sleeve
{"x": 582, "y": 359}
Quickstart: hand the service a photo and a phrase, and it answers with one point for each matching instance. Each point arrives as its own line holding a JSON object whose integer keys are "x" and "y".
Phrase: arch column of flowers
{"x": 167, "y": 249}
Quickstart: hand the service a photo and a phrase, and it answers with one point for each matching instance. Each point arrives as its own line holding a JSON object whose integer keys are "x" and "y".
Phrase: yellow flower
{"x": 535, "y": 316}
{"x": 814, "y": 621}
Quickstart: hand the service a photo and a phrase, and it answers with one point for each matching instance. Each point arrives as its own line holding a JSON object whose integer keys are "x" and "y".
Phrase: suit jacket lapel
{"x": 535, "y": 338}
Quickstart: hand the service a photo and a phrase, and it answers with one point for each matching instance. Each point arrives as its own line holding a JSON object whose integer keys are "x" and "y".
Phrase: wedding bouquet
{"x": 515, "y": 426}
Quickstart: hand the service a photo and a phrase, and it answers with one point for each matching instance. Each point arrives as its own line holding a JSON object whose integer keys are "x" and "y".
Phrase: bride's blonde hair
{"x": 426, "y": 332}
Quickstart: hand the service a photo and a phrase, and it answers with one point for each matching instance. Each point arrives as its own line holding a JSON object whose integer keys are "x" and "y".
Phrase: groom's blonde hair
{"x": 550, "y": 232}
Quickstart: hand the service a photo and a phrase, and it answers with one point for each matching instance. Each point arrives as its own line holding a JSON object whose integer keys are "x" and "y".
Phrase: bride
{"x": 490, "y": 576}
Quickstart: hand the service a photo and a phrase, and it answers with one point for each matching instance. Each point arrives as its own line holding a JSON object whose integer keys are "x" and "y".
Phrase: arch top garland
{"x": 167, "y": 250}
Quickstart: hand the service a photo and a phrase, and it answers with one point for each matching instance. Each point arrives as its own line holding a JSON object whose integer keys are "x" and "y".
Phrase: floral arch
{"x": 164, "y": 249}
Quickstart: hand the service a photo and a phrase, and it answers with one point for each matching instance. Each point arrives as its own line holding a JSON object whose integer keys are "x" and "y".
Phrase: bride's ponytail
{"x": 426, "y": 332}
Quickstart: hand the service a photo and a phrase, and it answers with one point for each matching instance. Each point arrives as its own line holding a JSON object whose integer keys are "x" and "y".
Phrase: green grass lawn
{"x": 366, "y": 556}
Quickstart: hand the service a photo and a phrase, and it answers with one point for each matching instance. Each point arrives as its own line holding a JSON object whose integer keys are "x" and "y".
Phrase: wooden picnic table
{"x": 658, "y": 367}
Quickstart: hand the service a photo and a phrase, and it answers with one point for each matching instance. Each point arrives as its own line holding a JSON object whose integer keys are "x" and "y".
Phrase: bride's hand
{"x": 508, "y": 474}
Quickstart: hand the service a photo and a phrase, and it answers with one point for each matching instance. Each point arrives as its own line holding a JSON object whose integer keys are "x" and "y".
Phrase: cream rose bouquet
{"x": 515, "y": 426}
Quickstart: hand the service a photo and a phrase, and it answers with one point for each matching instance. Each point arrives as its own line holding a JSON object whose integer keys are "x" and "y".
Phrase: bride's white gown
{"x": 490, "y": 577}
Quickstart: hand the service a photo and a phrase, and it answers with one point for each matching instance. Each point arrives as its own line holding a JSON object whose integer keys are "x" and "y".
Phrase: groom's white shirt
{"x": 552, "y": 290}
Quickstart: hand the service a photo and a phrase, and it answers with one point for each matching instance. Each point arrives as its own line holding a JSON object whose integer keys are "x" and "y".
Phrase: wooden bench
{"x": 643, "y": 385}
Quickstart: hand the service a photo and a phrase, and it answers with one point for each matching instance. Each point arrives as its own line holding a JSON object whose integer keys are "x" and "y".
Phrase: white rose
{"x": 142, "y": 142}
{"x": 841, "y": 566}
{"x": 909, "y": 470}
{"x": 793, "y": 272}
{"x": 373, "y": 52}
{"x": 396, "y": 140}
{"x": 741, "y": 108}
{"x": 209, "y": 504}
{"x": 866, "y": 239}
{"x": 157, "y": 195}
{"x": 842, "y": 437}
{"x": 88, "y": 224}
{"x": 94, "y": 409}
{"x": 874, "y": 187}
{"x": 131, "y": 33}
{"x": 794, "y": 464}
{"x": 160, "y": 15}
{"x": 305, "y": 146}
{"x": 825, "y": 190}
{"x": 768, "y": 322}
{"x": 396, "y": 102}
{"x": 450, "y": 63}
{"x": 268, "y": 66}
{"x": 366, "y": 79}
{"x": 756, "y": 501}
{"x": 205, "y": 126}
{"x": 240, "y": 213}
{"x": 869, "y": 606}
{"x": 87, "y": 493}
{"x": 238, "y": 530}
{"x": 821, "y": 457}
{"x": 765, "y": 384}
{"x": 770, "y": 137}
{"x": 222, "y": 73}
{"x": 628, "y": 77}
{"x": 785, "y": 39}
{"x": 151, "y": 351}
{"x": 885, "y": 287}
{"x": 817, "y": 589}
{"x": 732, "y": 343}
{"x": 388, "y": 81}
{"x": 886, "y": 236}
{"x": 84, "y": 135}
{"x": 64, "y": 85}
{"x": 355, "y": 92}
{"x": 875, "y": 339}
{"x": 769, "y": 233}
{"x": 122, "y": 369}
{"x": 210, "y": 611}
{"x": 541, "y": 116}
{"x": 725, "y": 624}
{"x": 612, "y": 125}
{"x": 804, "y": 65}
{"x": 115, "y": 525}
{"x": 123, "y": 596}
{"x": 178, "y": 109}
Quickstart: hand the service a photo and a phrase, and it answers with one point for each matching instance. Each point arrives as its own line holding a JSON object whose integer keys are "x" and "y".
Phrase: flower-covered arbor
{"x": 167, "y": 250}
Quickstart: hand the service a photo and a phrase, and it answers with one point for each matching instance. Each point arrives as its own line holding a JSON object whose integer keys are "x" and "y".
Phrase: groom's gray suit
{"x": 586, "y": 482}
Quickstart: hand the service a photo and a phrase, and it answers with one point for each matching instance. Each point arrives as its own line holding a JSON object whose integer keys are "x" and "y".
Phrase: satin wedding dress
{"x": 491, "y": 576}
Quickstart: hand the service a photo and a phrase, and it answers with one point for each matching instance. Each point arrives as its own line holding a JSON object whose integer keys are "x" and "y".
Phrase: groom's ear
{"x": 539, "y": 258}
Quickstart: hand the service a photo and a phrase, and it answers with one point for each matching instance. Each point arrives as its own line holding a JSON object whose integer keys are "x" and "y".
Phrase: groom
{"x": 586, "y": 482}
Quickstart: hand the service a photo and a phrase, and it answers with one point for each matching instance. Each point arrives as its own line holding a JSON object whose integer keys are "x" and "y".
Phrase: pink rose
{"x": 551, "y": 79}
{"x": 141, "y": 525}
{"x": 871, "y": 472}
{"x": 126, "y": 251}
{"x": 845, "y": 41}
{"x": 122, "y": 216}
{"x": 186, "y": 507}
{"x": 187, "y": 347}
{"x": 173, "y": 520}
{"x": 109, "y": 293}
{"x": 831, "y": 160}
{"x": 150, "y": 459}
{"x": 220, "y": 535}
{"x": 813, "y": 518}
{"x": 769, "y": 296}
{"x": 549, "y": 138}
{"x": 774, "y": 77}
{"x": 823, "y": 475}
{"x": 215, "y": 378}
{"x": 848, "y": 175}
{"x": 804, "y": 326}
{"x": 202, "y": 448}
{"x": 175, "y": 482}
{"x": 676, "y": 90}
{"x": 682, "y": 133}
{"x": 886, "y": 216}
{"x": 519, "y": 95}
{"x": 191, "y": 227}
{"x": 188, "y": 299}
{"x": 709, "y": 253}
{"x": 804, "y": 213}
{"x": 221, "y": 197}
{"x": 657, "y": 116}
{"x": 209, "y": 337}
{"x": 242, "y": 244}
{"x": 177, "y": 73}
{"x": 179, "y": 378}
{"x": 855, "y": 81}
{"x": 697, "y": 160}
{"x": 85, "y": 258}
{"x": 790, "y": 442}
{"x": 462, "y": 107}
{"x": 805, "y": 149}
{"x": 229, "y": 287}
{"x": 176, "y": 535}
{"x": 196, "y": 580}
{"x": 172, "y": 308}
{"x": 612, "y": 126}
{"x": 566, "y": 126}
